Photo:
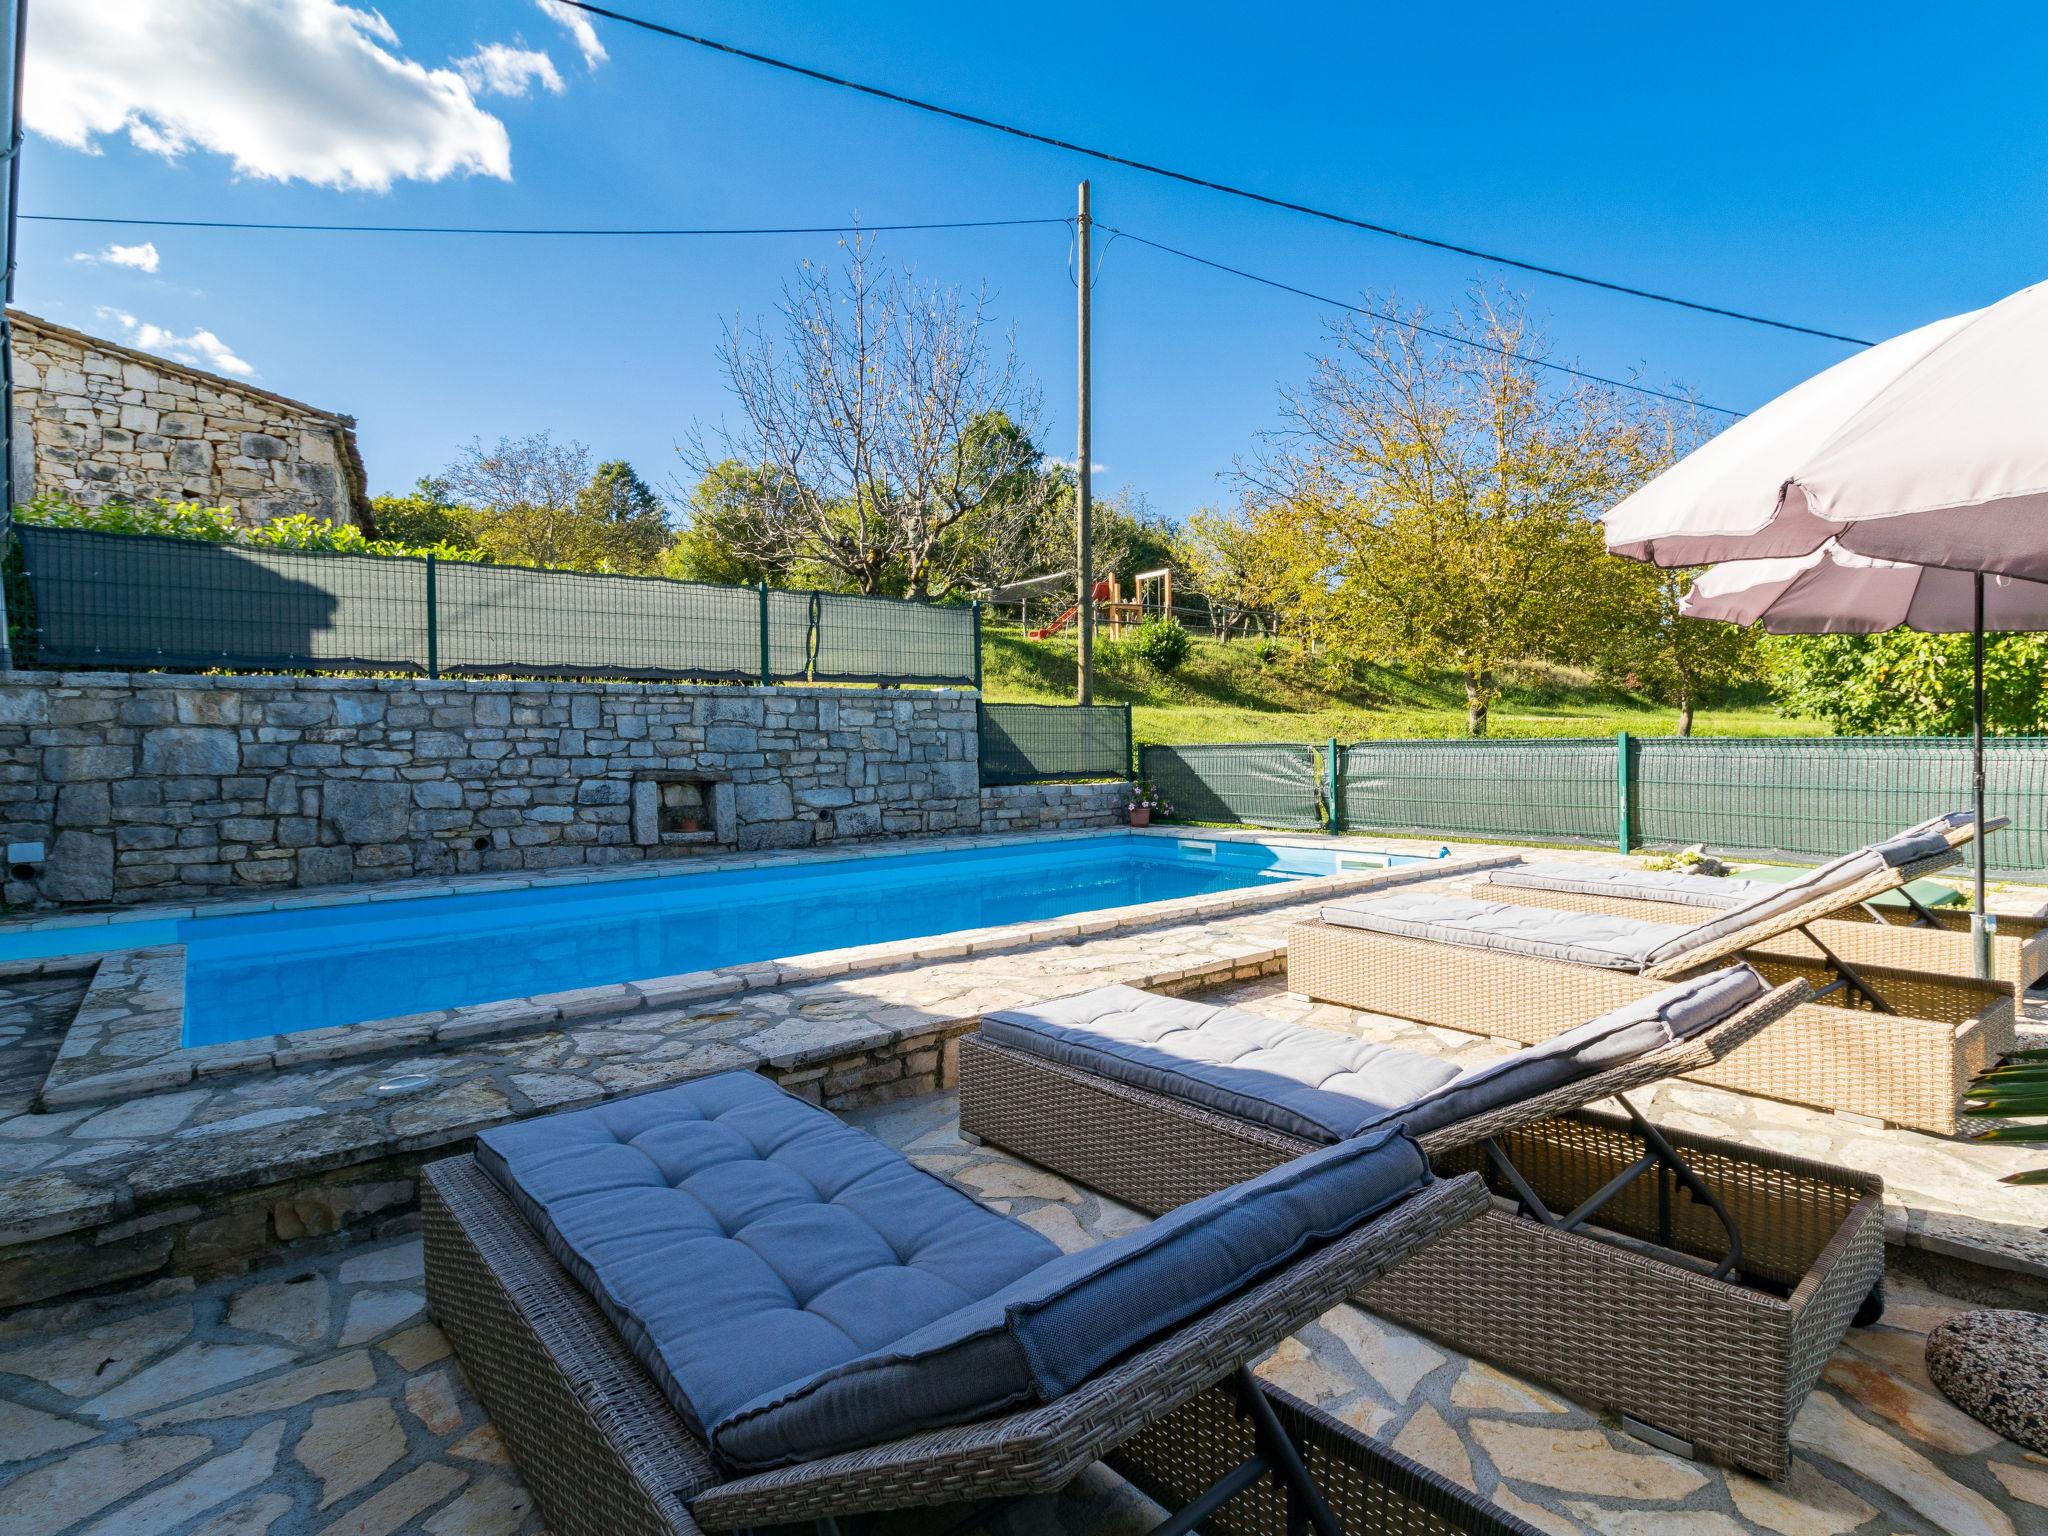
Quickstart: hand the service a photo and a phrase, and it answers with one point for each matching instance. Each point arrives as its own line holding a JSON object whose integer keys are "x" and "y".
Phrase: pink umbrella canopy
{"x": 1834, "y": 592}
{"x": 1930, "y": 448}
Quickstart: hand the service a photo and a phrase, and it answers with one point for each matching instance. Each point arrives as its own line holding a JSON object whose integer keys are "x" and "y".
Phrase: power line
{"x": 1414, "y": 325}
{"x": 1189, "y": 179}
{"x": 490, "y": 229}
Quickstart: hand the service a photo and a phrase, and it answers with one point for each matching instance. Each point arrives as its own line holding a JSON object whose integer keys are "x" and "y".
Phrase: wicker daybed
{"x": 1883, "y": 1042}
{"x": 1643, "y": 1314}
{"x": 1909, "y": 936}
{"x": 607, "y": 1451}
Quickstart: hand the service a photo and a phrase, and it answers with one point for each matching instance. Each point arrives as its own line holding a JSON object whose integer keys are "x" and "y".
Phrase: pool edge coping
{"x": 79, "y": 1076}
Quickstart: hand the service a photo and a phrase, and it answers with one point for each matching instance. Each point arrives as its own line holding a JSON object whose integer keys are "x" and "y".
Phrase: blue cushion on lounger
{"x": 1312, "y": 1083}
{"x": 739, "y": 1238}
{"x": 1046, "y": 1333}
{"x": 1613, "y": 1039}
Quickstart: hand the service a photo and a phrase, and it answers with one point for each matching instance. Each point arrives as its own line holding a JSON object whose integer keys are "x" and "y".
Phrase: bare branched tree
{"x": 901, "y": 446}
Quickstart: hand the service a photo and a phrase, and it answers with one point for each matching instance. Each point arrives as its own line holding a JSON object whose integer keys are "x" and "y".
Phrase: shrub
{"x": 1162, "y": 644}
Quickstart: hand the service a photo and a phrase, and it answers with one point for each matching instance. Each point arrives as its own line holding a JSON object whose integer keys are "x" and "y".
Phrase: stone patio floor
{"x": 315, "y": 1397}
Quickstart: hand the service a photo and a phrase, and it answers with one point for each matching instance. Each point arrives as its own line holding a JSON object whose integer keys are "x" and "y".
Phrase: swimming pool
{"x": 265, "y": 973}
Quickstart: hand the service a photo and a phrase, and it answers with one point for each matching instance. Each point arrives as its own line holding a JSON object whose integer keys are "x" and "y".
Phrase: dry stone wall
{"x": 104, "y": 422}
{"x": 1053, "y": 807}
{"x": 150, "y": 786}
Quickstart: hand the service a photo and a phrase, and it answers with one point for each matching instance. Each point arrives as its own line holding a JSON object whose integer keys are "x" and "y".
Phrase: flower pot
{"x": 1142, "y": 816}
{"x": 690, "y": 824}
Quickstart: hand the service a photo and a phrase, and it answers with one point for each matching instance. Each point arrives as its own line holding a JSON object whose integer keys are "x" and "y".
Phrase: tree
{"x": 428, "y": 516}
{"x": 903, "y": 443}
{"x": 1907, "y": 684}
{"x": 537, "y": 502}
{"x": 1458, "y": 488}
{"x": 631, "y": 520}
{"x": 1643, "y": 641}
{"x": 726, "y": 506}
{"x": 1260, "y": 561}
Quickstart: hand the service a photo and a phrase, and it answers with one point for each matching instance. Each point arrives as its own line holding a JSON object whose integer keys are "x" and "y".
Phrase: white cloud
{"x": 311, "y": 90}
{"x": 577, "y": 24}
{"x": 505, "y": 71}
{"x": 201, "y": 349}
{"x": 143, "y": 257}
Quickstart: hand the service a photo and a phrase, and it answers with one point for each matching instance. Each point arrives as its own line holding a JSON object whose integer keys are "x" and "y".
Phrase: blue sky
{"x": 1864, "y": 177}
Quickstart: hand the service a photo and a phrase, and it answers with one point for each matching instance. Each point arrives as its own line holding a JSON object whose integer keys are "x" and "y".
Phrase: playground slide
{"x": 1056, "y": 625}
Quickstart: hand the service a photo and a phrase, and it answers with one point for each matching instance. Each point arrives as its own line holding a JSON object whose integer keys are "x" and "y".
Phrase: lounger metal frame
{"x": 605, "y": 1454}
{"x": 1630, "y": 1317}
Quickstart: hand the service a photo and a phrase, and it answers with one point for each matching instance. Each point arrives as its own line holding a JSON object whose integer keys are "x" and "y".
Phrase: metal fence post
{"x": 766, "y": 669}
{"x": 977, "y": 645}
{"x": 1336, "y": 821}
{"x": 1623, "y": 791}
{"x": 433, "y": 622}
{"x": 1130, "y": 749}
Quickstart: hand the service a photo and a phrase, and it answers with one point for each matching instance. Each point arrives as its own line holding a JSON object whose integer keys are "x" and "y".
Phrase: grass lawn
{"x": 1227, "y": 692}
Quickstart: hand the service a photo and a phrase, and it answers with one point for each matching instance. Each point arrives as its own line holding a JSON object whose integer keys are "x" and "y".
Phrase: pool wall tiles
{"x": 148, "y": 786}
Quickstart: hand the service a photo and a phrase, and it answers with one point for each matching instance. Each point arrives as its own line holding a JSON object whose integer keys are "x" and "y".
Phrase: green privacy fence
{"x": 1270, "y": 784}
{"x": 1039, "y": 743}
{"x": 137, "y": 600}
{"x": 1799, "y": 798}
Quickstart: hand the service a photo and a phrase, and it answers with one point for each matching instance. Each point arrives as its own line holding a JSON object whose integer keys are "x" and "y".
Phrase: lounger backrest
{"x": 1770, "y": 912}
{"x": 1625, "y": 1034}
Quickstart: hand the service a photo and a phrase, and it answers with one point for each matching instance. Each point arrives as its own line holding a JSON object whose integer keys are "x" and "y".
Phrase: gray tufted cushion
{"x": 1198, "y": 1053}
{"x": 1312, "y": 1083}
{"x": 1045, "y": 1334}
{"x": 1712, "y": 891}
{"x": 1583, "y": 938}
{"x": 739, "y": 1238}
{"x": 798, "y": 1289}
{"x": 1836, "y": 875}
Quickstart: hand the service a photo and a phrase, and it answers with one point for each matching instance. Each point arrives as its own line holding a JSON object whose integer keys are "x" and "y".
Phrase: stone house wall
{"x": 1053, "y": 807}
{"x": 152, "y": 786}
{"x": 103, "y": 422}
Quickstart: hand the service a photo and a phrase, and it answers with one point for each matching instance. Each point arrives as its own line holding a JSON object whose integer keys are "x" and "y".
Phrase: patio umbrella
{"x": 1834, "y": 592}
{"x": 1930, "y": 448}
{"x": 1900, "y": 475}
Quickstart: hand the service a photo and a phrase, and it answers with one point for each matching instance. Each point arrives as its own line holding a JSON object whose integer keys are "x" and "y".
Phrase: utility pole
{"x": 17, "y": 43}
{"x": 1084, "y": 562}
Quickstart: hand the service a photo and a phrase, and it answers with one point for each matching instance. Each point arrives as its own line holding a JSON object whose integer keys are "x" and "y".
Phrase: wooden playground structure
{"x": 1113, "y": 610}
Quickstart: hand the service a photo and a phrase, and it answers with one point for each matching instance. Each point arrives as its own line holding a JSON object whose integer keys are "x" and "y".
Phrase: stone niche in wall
{"x": 683, "y": 811}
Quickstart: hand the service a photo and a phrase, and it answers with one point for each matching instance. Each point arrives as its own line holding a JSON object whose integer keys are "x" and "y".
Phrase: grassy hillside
{"x": 1229, "y": 692}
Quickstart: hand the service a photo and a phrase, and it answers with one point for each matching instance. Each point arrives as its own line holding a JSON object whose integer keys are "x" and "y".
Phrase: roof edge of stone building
{"x": 171, "y": 365}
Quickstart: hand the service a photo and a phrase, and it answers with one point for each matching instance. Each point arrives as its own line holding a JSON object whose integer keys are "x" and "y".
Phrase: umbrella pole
{"x": 1980, "y": 921}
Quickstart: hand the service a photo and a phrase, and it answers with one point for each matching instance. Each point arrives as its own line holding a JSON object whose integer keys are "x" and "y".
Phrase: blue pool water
{"x": 274, "y": 972}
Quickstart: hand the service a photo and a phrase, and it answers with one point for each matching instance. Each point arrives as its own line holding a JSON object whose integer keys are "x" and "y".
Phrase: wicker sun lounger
{"x": 1878, "y": 1041}
{"x": 606, "y": 1451}
{"x": 1697, "y": 1287}
{"x": 1909, "y": 936}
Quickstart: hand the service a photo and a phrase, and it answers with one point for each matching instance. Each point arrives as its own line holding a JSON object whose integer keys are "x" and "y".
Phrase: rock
{"x": 1994, "y": 1366}
{"x": 1584, "y": 1461}
{"x": 397, "y": 1261}
{"x": 195, "y": 1368}
{"x": 1920, "y": 1414}
{"x": 214, "y": 1482}
{"x": 1488, "y": 1390}
{"x": 1805, "y": 1504}
{"x": 432, "y": 1400}
{"x": 261, "y": 445}
{"x": 1652, "y": 1522}
{"x": 417, "y": 1491}
{"x": 416, "y": 1347}
{"x": 87, "y": 1481}
{"x": 192, "y": 751}
{"x": 493, "y": 1506}
{"x": 1827, "y": 1427}
{"x": 372, "y": 1314}
{"x": 760, "y": 802}
{"x": 81, "y": 868}
{"x": 254, "y": 1518}
{"x": 366, "y": 811}
{"x": 292, "y": 1310}
{"x": 348, "y": 1446}
{"x": 1428, "y": 1439}
{"x": 1292, "y": 1368}
{"x": 79, "y": 1364}
{"x": 482, "y": 1444}
{"x": 26, "y": 1433}
{"x": 1395, "y": 1359}
{"x": 351, "y": 1372}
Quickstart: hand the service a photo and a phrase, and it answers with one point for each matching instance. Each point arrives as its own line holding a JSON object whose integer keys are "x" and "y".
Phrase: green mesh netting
{"x": 1272, "y": 784}
{"x": 118, "y": 599}
{"x": 1822, "y": 796}
{"x": 1036, "y": 743}
{"x": 1548, "y": 790}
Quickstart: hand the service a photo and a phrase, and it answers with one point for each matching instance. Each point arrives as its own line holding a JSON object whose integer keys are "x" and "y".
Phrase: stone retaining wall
{"x": 150, "y": 786}
{"x": 1053, "y": 807}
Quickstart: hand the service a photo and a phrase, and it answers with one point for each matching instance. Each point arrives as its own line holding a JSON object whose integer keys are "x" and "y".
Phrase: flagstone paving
{"x": 318, "y": 1398}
